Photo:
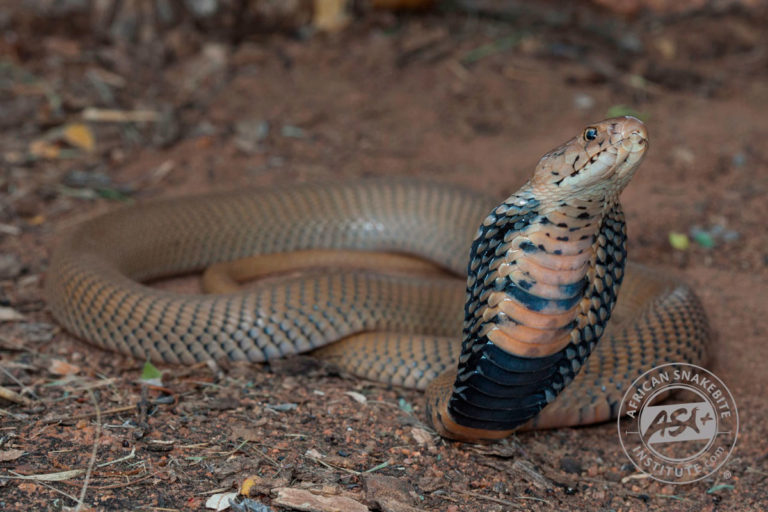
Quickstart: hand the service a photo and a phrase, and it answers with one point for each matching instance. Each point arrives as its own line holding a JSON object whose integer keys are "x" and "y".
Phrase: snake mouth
{"x": 631, "y": 146}
{"x": 630, "y": 151}
{"x": 616, "y": 160}
{"x": 602, "y": 159}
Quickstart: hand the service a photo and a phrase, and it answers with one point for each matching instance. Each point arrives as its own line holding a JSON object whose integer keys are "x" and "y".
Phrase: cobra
{"x": 538, "y": 337}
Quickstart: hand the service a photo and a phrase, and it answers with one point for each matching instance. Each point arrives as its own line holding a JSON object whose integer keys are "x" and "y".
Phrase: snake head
{"x": 599, "y": 162}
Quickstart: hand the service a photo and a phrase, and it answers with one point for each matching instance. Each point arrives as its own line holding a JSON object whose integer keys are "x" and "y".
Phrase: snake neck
{"x": 543, "y": 278}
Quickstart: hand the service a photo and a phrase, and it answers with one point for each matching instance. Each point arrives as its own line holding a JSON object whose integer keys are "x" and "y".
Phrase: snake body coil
{"x": 542, "y": 281}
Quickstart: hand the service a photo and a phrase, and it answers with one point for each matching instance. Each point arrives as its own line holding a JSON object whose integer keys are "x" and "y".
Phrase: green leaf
{"x": 405, "y": 406}
{"x": 377, "y": 467}
{"x": 624, "y": 110}
{"x": 150, "y": 372}
{"x": 671, "y": 497}
{"x": 704, "y": 239}
{"x": 719, "y": 487}
{"x": 498, "y": 46}
{"x": 679, "y": 241}
{"x": 112, "y": 194}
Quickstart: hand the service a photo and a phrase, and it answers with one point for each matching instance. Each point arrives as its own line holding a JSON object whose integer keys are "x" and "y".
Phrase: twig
{"x": 94, "y": 385}
{"x": 532, "y": 498}
{"x": 337, "y": 468}
{"x": 384, "y": 402}
{"x": 98, "y": 115}
{"x": 91, "y": 462}
{"x": 85, "y": 416}
{"x": 143, "y": 406}
{"x": 26, "y": 389}
{"x": 232, "y": 452}
{"x": 502, "y": 501}
{"x": 17, "y": 417}
{"x": 130, "y": 456}
{"x": 266, "y": 457}
{"x": 196, "y": 445}
{"x": 213, "y": 491}
{"x": 124, "y": 484}
{"x": 490, "y": 498}
{"x": 635, "y": 476}
{"x": 13, "y": 396}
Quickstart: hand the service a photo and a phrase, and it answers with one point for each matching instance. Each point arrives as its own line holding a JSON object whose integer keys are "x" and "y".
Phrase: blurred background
{"x": 105, "y": 102}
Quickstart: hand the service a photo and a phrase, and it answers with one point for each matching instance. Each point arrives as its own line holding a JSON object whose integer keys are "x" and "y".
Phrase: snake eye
{"x": 590, "y": 133}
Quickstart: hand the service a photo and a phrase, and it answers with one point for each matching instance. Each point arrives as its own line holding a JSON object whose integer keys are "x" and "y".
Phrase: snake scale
{"x": 517, "y": 347}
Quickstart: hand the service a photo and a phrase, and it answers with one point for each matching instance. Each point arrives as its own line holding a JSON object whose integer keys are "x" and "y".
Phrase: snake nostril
{"x": 638, "y": 137}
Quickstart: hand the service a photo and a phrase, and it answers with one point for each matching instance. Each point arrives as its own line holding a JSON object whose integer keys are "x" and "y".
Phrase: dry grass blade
{"x": 47, "y": 477}
{"x": 108, "y": 412}
{"x": 92, "y": 461}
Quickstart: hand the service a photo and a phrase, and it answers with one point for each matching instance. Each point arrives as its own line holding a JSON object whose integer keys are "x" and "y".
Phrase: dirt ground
{"x": 445, "y": 96}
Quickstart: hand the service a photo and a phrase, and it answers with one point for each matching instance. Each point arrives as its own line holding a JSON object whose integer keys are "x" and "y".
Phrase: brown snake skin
{"x": 542, "y": 281}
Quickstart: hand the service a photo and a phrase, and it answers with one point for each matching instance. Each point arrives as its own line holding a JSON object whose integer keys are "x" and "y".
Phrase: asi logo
{"x": 685, "y": 438}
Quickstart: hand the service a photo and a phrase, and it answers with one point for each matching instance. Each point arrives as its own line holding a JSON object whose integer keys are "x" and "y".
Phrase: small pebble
{"x": 293, "y": 132}
{"x": 729, "y": 235}
{"x": 282, "y": 407}
{"x": 739, "y": 159}
{"x": 583, "y": 101}
{"x": 202, "y": 8}
{"x": 10, "y": 266}
{"x": 631, "y": 43}
{"x": 87, "y": 179}
{"x": 37, "y": 332}
{"x": 570, "y": 465}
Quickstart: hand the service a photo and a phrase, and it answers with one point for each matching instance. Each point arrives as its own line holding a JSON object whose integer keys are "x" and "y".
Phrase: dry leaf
{"x": 79, "y": 136}
{"x": 357, "y": 397}
{"x": 10, "y": 315}
{"x": 248, "y": 484}
{"x": 9, "y": 229}
{"x": 52, "y": 477}
{"x": 59, "y": 367}
{"x": 300, "y": 499}
{"x": 36, "y": 220}
{"x": 421, "y": 436}
{"x": 9, "y": 455}
{"x": 220, "y": 501}
{"x": 256, "y": 485}
{"x": 247, "y": 434}
{"x": 44, "y": 149}
{"x": 330, "y": 15}
{"x": 314, "y": 454}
